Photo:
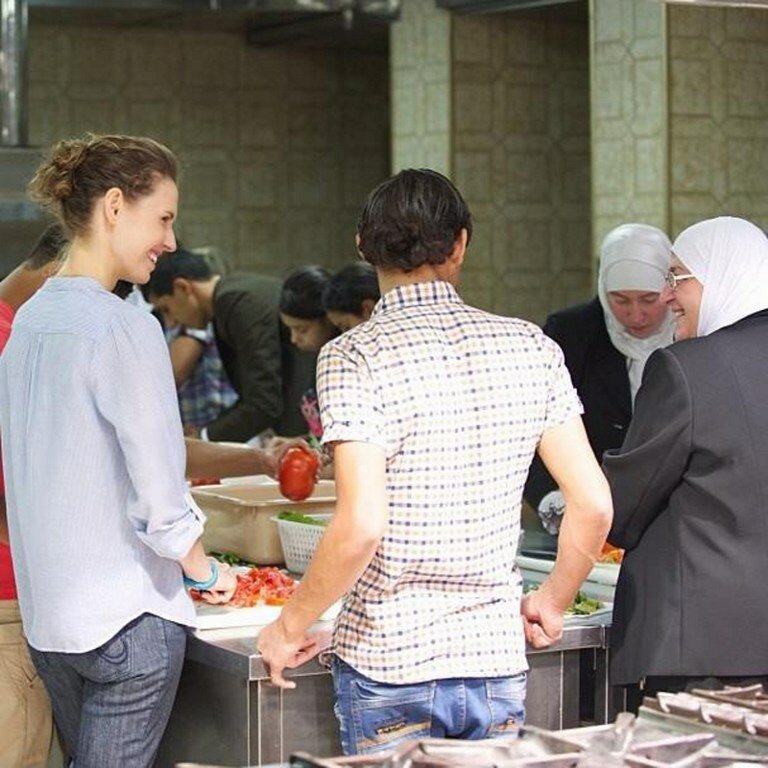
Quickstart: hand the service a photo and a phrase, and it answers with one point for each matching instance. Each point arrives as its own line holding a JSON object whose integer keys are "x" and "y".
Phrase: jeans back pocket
{"x": 386, "y": 715}
{"x": 506, "y": 702}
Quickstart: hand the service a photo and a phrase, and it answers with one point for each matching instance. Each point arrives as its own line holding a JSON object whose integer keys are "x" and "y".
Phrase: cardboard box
{"x": 239, "y": 517}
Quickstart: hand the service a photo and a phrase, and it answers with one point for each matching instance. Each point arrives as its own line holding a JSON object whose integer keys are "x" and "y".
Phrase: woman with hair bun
{"x": 104, "y": 532}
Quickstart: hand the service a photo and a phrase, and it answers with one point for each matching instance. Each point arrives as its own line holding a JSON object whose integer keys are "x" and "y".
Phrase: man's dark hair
{"x": 49, "y": 247}
{"x": 350, "y": 287}
{"x": 412, "y": 219}
{"x": 180, "y": 263}
{"x": 302, "y": 293}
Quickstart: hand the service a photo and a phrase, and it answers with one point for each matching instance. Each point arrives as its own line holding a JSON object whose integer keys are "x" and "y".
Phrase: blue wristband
{"x": 203, "y": 586}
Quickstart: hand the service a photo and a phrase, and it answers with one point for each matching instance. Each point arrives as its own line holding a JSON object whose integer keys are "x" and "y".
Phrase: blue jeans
{"x": 112, "y": 704}
{"x": 375, "y": 717}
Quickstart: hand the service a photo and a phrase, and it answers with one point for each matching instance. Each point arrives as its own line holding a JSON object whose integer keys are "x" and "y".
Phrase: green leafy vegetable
{"x": 230, "y": 558}
{"x": 583, "y": 605}
{"x": 298, "y": 517}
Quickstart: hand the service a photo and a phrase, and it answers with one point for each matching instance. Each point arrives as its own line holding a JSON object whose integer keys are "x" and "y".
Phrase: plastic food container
{"x": 239, "y": 517}
{"x": 299, "y": 541}
{"x": 600, "y": 583}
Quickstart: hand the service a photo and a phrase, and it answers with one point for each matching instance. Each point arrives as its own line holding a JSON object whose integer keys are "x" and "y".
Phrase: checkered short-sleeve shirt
{"x": 458, "y": 400}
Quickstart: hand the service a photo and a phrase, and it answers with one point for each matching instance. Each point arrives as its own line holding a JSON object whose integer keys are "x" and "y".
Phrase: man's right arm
{"x": 566, "y": 452}
{"x": 185, "y": 352}
{"x": 205, "y": 459}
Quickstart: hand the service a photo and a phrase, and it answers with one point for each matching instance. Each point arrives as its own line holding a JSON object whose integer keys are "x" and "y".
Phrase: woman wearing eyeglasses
{"x": 606, "y": 343}
{"x": 690, "y": 483}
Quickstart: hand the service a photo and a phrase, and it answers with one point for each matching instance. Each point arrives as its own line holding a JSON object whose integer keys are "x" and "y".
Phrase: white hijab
{"x": 729, "y": 257}
{"x": 634, "y": 257}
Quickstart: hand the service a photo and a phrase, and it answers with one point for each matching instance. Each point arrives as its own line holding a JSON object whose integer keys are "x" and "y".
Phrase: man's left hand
{"x": 542, "y": 620}
{"x": 280, "y": 652}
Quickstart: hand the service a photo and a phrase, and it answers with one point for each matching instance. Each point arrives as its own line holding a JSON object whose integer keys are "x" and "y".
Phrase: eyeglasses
{"x": 671, "y": 279}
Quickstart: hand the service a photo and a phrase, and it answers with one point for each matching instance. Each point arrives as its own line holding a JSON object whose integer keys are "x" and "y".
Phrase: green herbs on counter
{"x": 230, "y": 558}
{"x": 583, "y": 605}
{"x": 298, "y": 517}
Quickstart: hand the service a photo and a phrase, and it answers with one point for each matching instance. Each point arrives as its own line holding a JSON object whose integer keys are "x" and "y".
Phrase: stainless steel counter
{"x": 227, "y": 712}
{"x": 234, "y": 650}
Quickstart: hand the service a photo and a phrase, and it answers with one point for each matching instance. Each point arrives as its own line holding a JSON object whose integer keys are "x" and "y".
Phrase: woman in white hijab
{"x": 634, "y": 259}
{"x": 606, "y": 343}
{"x": 690, "y": 483}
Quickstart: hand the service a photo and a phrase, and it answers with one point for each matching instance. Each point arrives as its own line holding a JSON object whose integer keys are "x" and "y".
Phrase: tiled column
{"x": 521, "y": 157}
{"x": 500, "y": 103}
{"x": 629, "y": 114}
{"x": 718, "y": 114}
{"x": 420, "y": 70}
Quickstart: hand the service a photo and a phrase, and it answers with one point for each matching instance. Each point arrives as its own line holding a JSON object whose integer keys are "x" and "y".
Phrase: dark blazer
{"x": 690, "y": 494}
{"x": 268, "y": 373}
{"x": 599, "y": 373}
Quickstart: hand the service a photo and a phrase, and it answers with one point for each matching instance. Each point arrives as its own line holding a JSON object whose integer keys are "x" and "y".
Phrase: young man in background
{"x": 433, "y": 410}
{"x": 268, "y": 374}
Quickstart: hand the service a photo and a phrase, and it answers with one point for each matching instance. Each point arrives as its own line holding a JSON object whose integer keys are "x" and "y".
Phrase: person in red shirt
{"x": 26, "y": 726}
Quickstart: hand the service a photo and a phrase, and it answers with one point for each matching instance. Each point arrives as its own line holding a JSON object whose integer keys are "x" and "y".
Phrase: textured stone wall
{"x": 718, "y": 114}
{"x": 420, "y": 50}
{"x": 629, "y": 114}
{"x": 521, "y": 157}
{"x": 279, "y": 146}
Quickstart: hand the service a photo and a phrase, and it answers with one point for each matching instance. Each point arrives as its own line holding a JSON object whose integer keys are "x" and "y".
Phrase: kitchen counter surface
{"x": 228, "y": 713}
{"x": 234, "y": 650}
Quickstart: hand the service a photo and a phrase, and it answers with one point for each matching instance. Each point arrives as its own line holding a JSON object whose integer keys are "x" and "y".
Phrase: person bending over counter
{"x": 268, "y": 374}
{"x": 350, "y": 295}
{"x": 606, "y": 343}
{"x": 302, "y": 313}
{"x": 690, "y": 482}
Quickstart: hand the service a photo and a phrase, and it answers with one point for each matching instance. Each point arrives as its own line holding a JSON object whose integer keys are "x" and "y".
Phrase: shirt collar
{"x": 73, "y": 282}
{"x": 416, "y": 294}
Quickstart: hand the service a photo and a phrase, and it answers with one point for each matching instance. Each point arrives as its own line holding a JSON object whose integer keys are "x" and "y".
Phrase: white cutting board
{"x": 224, "y": 616}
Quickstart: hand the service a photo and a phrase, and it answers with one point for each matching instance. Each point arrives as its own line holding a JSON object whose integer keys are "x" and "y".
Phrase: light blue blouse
{"x": 94, "y": 457}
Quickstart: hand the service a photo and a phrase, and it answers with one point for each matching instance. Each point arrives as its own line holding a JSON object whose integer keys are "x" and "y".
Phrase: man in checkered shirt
{"x": 434, "y": 410}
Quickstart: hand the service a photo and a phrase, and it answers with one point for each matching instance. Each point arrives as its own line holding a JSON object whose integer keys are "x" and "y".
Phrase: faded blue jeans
{"x": 375, "y": 717}
{"x": 112, "y": 704}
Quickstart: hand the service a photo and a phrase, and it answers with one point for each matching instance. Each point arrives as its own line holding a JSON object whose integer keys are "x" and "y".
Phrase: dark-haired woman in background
{"x": 102, "y": 523}
{"x": 350, "y": 295}
{"x": 302, "y": 313}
